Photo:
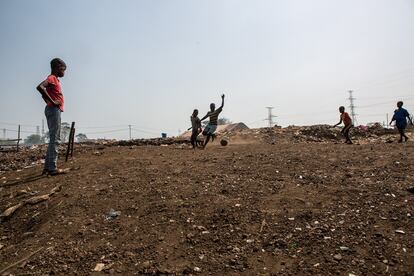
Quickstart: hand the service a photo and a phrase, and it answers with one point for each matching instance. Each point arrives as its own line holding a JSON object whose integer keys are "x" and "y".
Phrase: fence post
{"x": 18, "y": 139}
{"x": 73, "y": 139}
{"x": 70, "y": 142}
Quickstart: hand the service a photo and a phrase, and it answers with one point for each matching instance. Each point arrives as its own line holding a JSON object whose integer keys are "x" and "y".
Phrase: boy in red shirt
{"x": 347, "y": 124}
{"x": 51, "y": 92}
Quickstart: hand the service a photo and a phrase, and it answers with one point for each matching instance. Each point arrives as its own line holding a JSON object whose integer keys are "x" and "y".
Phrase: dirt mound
{"x": 152, "y": 142}
{"x": 303, "y": 208}
{"x": 317, "y": 133}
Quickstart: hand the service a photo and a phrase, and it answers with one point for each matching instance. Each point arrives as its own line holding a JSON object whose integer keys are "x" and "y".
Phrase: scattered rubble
{"x": 269, "y": 203}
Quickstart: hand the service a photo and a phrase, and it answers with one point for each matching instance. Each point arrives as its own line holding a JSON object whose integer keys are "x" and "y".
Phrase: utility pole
{"x": 270, "y": 116}
{"x": 38, "y": 130}
{"x": 130, "y": 137}
{"x": 43, "y": 127}
{"x": 352, "y": 107}
{"x": 4, "y": 133}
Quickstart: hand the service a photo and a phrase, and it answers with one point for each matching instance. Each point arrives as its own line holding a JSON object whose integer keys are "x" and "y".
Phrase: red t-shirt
{"x": 55, "y": 91}
{"x": 346, "y": 119}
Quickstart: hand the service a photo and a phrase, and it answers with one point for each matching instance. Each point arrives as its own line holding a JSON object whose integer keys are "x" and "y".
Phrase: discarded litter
{"x": 99, "y": 267}
{"x": 112, "y": 214}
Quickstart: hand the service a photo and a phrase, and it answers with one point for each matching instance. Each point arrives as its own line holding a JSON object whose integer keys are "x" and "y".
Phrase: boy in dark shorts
{"x": 51, "y": 92}
{"x": 196, "y": 127}
{"x": 400, "y": 118}
{"x": 212, "y": 125}
{"x": 344, "y": 117}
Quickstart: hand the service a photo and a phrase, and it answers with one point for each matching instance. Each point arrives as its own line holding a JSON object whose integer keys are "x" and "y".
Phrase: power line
{"x": 144, "y": 131}
{"x": 92, "y": 127}
{"x": 381, "y": 103}
{"x": 15, "y": 124}
{"x": 108, "y": 131}
{"x": 387, "y": 97}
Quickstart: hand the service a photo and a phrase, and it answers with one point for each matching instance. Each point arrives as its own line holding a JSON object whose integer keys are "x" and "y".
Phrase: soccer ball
{"x": 223, "y": 142}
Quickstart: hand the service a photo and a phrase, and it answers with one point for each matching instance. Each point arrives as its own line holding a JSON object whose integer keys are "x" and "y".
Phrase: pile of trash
{"x": 317, "y": 133}
{"x": 325, "y": 133}
{"x": 25, "y": 157}
{"x": 28, "y": 157}
{"x": 378, "y": 129}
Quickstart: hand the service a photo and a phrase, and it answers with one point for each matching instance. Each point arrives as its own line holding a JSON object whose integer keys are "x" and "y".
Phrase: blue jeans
{"x": 53, "y": 122}
{"x": 209, "y": 129}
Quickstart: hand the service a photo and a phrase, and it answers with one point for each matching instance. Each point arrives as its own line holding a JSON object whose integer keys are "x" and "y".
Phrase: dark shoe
{"x": 56, "y": 172}
{"x": 411, "y": 189}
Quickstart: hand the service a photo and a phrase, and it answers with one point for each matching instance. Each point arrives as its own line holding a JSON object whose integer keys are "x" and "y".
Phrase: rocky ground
{"x": 272, "y": 202}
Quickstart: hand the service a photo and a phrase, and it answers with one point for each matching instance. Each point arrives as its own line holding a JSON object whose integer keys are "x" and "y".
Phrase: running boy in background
{"x": 196, "y": 126}
{"x": 400, "y": 118}
{"x": 347, "y": 124}
{"x": 212, "y": 125}
{"x": 51, "y": 92}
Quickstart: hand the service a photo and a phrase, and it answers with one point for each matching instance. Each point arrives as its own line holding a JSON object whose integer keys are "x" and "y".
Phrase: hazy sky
{"x": 150, "y": 63}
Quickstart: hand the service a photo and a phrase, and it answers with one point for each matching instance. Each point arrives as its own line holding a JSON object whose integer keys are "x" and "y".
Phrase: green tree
{"x": 64, "y": 132}
{"x": 33, "y": 139}
{"x": 81, "y": 137}
{"x": 223, "y": 121}
{"x": 220, "y": 121}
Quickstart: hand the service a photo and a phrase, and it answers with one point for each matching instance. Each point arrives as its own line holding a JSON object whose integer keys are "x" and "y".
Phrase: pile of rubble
{"x": 152, "y": 142}
{"x": 324, "y": 133}
{"x": 25, "y": 157}
{"x": 317, "y": 133}
{"x": 28, "y": 157}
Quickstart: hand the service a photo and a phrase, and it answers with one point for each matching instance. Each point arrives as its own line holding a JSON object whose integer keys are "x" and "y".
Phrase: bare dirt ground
{"x": 259, "y": 206}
